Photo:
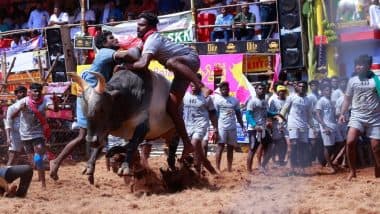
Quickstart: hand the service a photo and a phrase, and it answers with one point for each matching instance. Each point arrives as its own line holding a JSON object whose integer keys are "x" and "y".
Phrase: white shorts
{"x": 16, "y": 146}
{"x": 343, "y": 129}
{"x": 370, "y": 130}
{"x": 227, "y": 137}
{"x": 300, "y": 135}
{"x": 332, "y": 138}
{"x": 198, "y": 133}
{"x": 312, "y": 134}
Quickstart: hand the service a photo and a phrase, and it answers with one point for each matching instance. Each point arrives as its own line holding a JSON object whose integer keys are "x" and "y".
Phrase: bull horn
{"x": 101, "y": 86}
{"x": 77, "y": 79}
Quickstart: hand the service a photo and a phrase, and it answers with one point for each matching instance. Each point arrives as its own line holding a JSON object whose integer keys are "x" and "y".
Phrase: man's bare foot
{"x": 206, "y": 91}
{"x": 351, "y": 176}
{"x": 43, "y": 185}
{"x": 53, "y": 170}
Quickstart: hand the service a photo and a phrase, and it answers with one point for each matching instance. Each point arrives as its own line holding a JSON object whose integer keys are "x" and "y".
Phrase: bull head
{"x": 101, "y": 86}
{"x": 77, "y": 79}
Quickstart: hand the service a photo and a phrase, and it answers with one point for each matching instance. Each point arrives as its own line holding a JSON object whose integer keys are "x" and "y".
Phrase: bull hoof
{"x": 124, "y": 170}
{"x": 88, "y": 170}
{"x": 91, "y": 179}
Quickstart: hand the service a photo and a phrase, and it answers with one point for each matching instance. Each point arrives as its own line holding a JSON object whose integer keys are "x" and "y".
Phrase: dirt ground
{"x": 235, "y": 192}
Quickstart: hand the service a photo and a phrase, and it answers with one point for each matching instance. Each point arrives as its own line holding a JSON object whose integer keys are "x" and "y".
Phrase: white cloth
{"x": 374, "y": 16}
{"x": 63, "y": 17}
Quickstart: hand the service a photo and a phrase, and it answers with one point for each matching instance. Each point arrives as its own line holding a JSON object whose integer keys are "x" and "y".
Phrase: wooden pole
{"x": 83, "y": 16}
{"x": 194, "y": 19}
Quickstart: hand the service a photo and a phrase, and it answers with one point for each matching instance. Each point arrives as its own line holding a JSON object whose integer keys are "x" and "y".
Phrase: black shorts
{"x": 30, "y": 144}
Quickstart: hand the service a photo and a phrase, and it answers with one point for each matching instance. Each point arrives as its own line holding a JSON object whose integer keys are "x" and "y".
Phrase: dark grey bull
{"x": 132, "y": 105}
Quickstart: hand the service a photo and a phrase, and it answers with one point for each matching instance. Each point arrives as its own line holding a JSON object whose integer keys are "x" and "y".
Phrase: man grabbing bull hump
{"x": 105, "y": 63}
{"x": 182, "y": 60}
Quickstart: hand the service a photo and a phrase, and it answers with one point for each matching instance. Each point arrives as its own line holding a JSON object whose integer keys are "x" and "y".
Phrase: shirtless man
{"x": 182, "y": 60}
{"x": 363, "y": 92}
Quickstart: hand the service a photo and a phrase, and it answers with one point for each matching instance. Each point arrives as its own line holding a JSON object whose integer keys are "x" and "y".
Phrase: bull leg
{"x": 138, "y": 137}
{"x": 90, "y": 168}
{"x": 173, "y": 145}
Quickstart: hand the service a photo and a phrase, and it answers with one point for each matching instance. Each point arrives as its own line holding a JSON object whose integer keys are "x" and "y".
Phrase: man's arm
{"x": 285, "y": 109}
{"x": 142, "y": 63}
{"x": 345, "y": 105}
{"x": 213, "y": 118}
{"x": 130, "y": 55}
{"x": 318, "y": 117}
{"x": 239, "y": 118}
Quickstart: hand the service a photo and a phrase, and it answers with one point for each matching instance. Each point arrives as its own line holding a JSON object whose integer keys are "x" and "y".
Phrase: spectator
{"x": 12, "y": 126}
{"x": 3, "y": 26}
{"x": 268, "y": 14}
{"x": 219, "y": 32}
{"x": 133, "y": 9}
{"x": 255, "y": 10}
{"x": 89, "y": 17}
{"x": 325, "y": 115}
{"x": 374, "y": 14}
{"x": 38, "y": 17}
{"x": 17, "y": 41}
{"x": 168, "y": 6}
{"x": 20, "y": 21}
{"x": 58, "y": 17}
{"x": 244, "y": 31}
{"x": 115, "y": 14}
{"x": 34, "y": 129}
{"x": 228, "y": 110}
{"x": 149, "y": 6}
{"x": 300, "y": 116}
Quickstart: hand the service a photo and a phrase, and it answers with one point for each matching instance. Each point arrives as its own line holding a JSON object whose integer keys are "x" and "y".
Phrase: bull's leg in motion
{"x": 137, "y": 138}
{"x": 90, "y": 168}
{"x": 56, "y": 163}
{"x": 173, "y": 145}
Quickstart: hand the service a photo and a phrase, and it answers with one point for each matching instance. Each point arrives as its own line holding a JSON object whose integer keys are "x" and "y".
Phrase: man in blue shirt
{"x": 104, "y": 63}
{"x": 39, "y": 17}
{"x": 225, "y": 18}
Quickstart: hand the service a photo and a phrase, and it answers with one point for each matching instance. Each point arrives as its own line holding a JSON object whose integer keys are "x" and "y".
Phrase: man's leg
{"x": 177, "y": 92}
{"x": 69, "y": 148}
{"x": 352, "y": 137}
{"x": 253, "y": 145}
{"x": 25, "y": 173}
{"x": 375, "y": 144}
{"x": 39, "y": 149}
{"x": 218, "y": 155}
{"x": 230, "y": 157}
{"x": 11, "y": 157}
{"x": 185, "y": 68}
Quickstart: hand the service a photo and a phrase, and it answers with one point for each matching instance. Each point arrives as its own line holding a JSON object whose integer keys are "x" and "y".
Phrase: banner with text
{"x": 27, "y": 61}
{"x": 177, "y": 27}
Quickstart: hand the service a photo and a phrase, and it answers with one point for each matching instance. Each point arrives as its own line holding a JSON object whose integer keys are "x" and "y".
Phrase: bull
{"x": 132, "y": 105}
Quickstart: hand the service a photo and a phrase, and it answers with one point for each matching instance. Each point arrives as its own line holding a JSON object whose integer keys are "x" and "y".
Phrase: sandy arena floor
{"x": 235, "y": 192}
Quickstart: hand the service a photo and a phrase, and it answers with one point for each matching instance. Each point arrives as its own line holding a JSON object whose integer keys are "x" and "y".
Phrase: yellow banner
{"x": 257, "y": 63}
{"x": 158, "y": 68}
{"x": 75, "y": 89}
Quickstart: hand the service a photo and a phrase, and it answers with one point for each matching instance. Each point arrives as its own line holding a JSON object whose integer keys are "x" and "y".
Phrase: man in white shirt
{"x": 58, "y": 17}
{"x": 39, "y": 17}
{"x": 374, "y": 14}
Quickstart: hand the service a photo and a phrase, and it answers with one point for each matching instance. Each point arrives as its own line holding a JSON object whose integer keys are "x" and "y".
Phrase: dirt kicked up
{"x": 235, "y": 192}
